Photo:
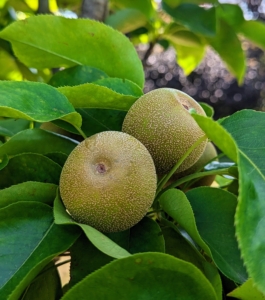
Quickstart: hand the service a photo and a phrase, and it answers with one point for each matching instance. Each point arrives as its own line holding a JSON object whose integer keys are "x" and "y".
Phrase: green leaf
{"x": 121, "y": 86}
{"x": 247, "y": 291}
{"x": 91, "y": 95}
{"x": 209, "y": 111}
{"x": 46, "y": 286}
{"x": 98, "y": 239}
{"x": 175, "y": 204}
{"x": 189, "y": 57}
{"x": 30, "y": 241}
{"x": 57, "y": 157}
{"x": 9, "y": 127}
{"x": 175, "y": 3}
{"x": 184, "y": 38}
{"x": 37, "y": 141}
{"x": 248, "y": 128}
{"x": 179, "y": 247}
{"x": 3, "y": 161}
{"x": 214, "y": 211}
{"x": 228, "y": 46}
{"x": 200, "y": 20}
{"x": 126, "y": 20}
{"x": 147, "y": 276}
{"x": 82, "y": 265}
{"x": 76, "y": 75}
{"x": 35, "y": 101}
{"x": 254, "y": 31}
{"x": 146, "y": 236}
{"x": 29, "y": 167}
{"x": 96, "y": 120}
{"x": 221, "y": 138}
{"x": 28, "y": 191}
{"x": 9, "y": 69}
{"x": 145, "y": 6}
{"x": 69, "y": 42}
{"x": 232, "y": 14}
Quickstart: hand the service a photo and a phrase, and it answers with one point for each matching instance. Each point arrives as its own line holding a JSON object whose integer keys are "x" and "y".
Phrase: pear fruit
{"x": 162, "y": 121}
{"x": 108, "y": 181}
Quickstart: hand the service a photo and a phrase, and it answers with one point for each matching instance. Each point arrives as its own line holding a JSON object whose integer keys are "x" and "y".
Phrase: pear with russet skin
{"x": 108, "y": 181}
{"x": 162, "y": 121}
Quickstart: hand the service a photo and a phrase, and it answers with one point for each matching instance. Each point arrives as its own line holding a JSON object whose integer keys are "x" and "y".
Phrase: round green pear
{"x": 162, "y": 121}
{"x": 108, "y": 181}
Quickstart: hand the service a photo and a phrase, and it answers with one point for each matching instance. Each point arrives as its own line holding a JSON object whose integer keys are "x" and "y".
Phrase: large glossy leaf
{"x": 35, "y": 101}
{"x": 179, "y": 247}
{"x": 200, "y": 20}
{"x": 126, "y": 20}
{"x": 98, "y": 239}
{"x": 76, "y": 75}
{"x": 91, "y": 95}
{"x": 147, "y": 276}
{"x": 30, "y": 240}
{"x": 228, "y": 46}
{"x": 175, "y": 203}
{"x": 248, "y": 129}
{"x": 214, "y": 211}
{"x": 29, "y": 167}
{"x": 37, "y": 141}
{"x": 28, "y": 191}
{"x": 69, "y": 42}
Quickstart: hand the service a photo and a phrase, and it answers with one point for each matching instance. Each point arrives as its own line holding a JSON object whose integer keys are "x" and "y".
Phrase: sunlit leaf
{"x": 35, "y": 101}
{"x": 69, "y": 42}
{"x": 247, "y": 291}
{"x": 91, "y": 95}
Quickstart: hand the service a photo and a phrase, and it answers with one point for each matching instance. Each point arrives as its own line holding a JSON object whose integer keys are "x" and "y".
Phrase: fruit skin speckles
{"x": 108, "y": 181}
{"x": 161, "y": 120}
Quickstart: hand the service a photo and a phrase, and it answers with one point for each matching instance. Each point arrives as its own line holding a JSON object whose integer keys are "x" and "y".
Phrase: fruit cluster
{"x": 109, "y": 181}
